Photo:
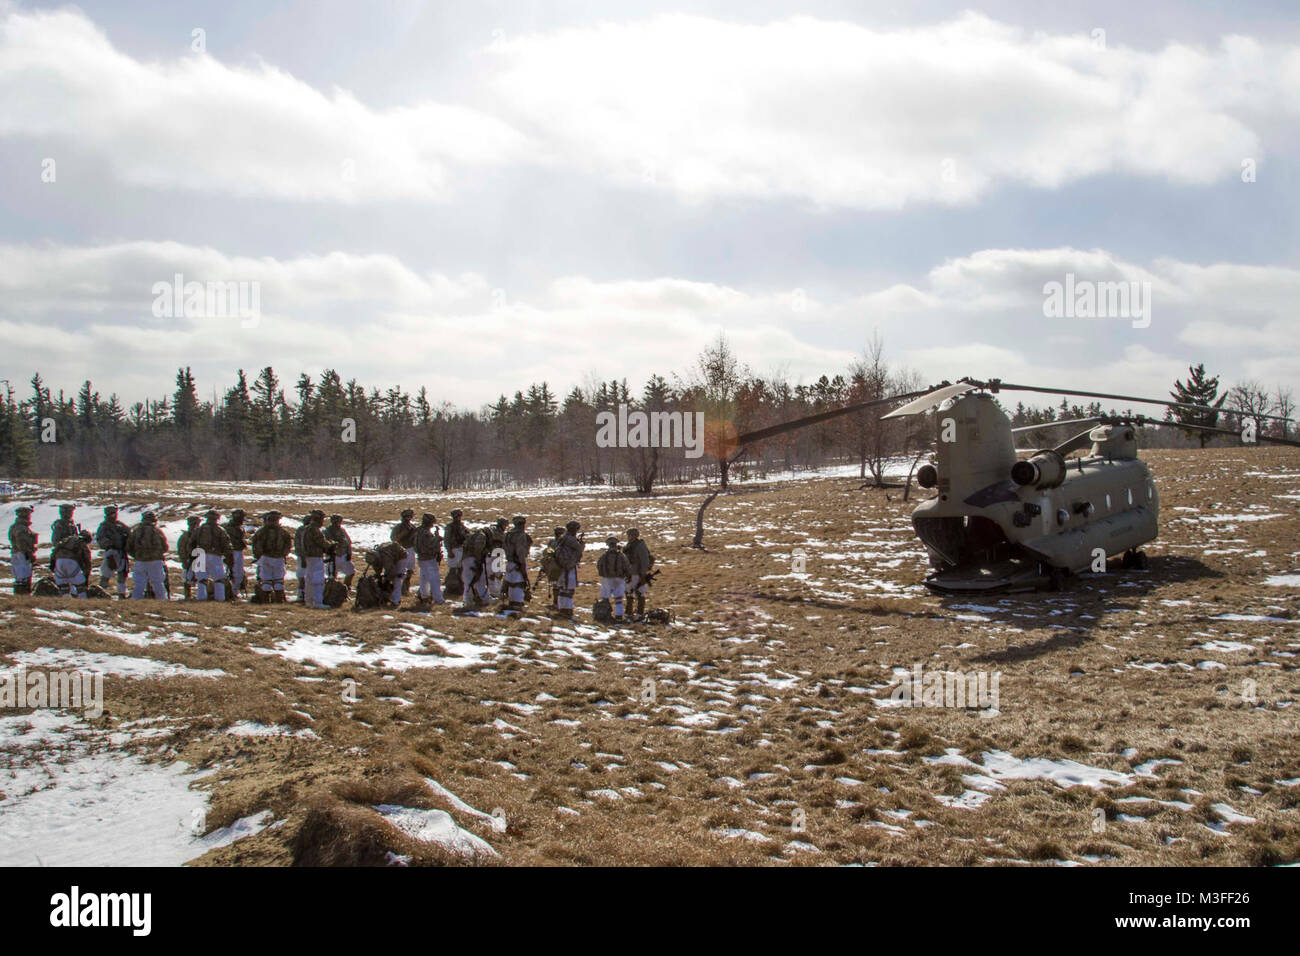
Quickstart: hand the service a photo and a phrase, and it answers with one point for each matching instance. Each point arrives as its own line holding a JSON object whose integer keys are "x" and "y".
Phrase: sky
{"x": 474, "y": 197}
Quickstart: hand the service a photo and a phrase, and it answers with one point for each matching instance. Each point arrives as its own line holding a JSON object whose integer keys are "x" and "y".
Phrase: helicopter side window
{"x": 1107, "y": 502}
{"x": 1130, "y": 496}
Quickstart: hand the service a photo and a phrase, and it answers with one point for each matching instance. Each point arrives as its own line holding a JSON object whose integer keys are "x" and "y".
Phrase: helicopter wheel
{"x": 1140, "y": 561}
{"x": 1055, "y": 578}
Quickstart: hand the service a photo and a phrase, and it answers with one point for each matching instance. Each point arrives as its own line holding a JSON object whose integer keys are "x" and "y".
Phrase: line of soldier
{"x": 481, "y": 563}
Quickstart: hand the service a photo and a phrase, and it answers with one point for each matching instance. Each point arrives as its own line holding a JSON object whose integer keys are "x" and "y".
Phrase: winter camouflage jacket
{"x": 342, "y": 542}
{"x": 314, "y": 542}
{"x": 518, "y": 542}
{"x": 72, "y": 547}
{"x": 235, "y": 532}
{"x": 569, "y": 551}
{"x": 146, "y": 543}
{"x": 22, "y": 540}
{"x": 428, "y": 544}
{"x": 638, "y": 555}
{"x": 111, "y": 535}
{"x": 454, "y": 535}
{"x": 403, "y": 533}
{"x": 185, "y": 548}
{"x": 272, "y": 541}
{"x": 385, "y": 558}
{"x": 61, "y": 528}
{"x": 614, "y": 564}
{"x": 212, "y": 538}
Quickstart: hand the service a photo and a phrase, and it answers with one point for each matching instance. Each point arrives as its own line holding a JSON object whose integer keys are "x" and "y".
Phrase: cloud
{"x": 824, "y": 112}
{"x": 196, "y": 123}
{"x": 845, "y": 115}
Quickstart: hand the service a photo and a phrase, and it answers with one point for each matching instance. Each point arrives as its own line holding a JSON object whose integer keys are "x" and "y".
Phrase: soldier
{"x": 63, "y": 525}
{"x": 386, "y": 561}
{"x": 453, "y": 539}
{"x": 496, "y": 559}
{"x": 301, "y": 559}
{"x": 615, "y": 573}
{"x": 569, "y": 554}
{"x": 185, "y": 553}
{"x": 404, "y": 534}
{"x": 341, "y": 560}
{"x": 235, "y": 564}
{"x": 517, "y": 544}
{"x": 70, "y": 562}
{"x": 639, "y": 556}
{"x": 314, "y": 548}
{"x": 214, "y": 546}
{"x": 147, "y": 546}
{"x": 558, "y": 536}
{"x": 22, "y": 549}
{"x": 271, "y": 545}
{"x": 111, "y": 538}
{"x": 427, "y": 543}
{"x": 473, "y": 556}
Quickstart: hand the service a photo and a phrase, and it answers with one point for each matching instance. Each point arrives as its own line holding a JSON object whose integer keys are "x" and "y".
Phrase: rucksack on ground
{"x": 335, "y": 594}
{"x": 368, "y": 594}
{"x": 46, "y": 587}
{"x": 602, "y": 611}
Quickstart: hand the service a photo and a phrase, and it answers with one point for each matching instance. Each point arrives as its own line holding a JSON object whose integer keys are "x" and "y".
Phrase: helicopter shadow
{"x": 1084, "y": 604}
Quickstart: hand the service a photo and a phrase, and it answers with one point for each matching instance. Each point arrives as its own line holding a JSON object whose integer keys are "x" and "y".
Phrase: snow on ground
{"x": 437, "y": 827}
{"x": 109, "y": 665}
{"x": 72, "y": 801}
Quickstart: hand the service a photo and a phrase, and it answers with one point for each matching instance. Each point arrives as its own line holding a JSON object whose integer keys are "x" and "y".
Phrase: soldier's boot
{"x": 187, "y": 591}
{"x": 277, "y": 597}
{"x": 22, "y": 587}
{"x": 640, "y": 605}
{"x": 406, "y": 584}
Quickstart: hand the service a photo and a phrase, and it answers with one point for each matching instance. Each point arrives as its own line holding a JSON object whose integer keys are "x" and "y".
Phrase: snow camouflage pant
{"x": 106, "y": 572}
{"x": 152, "y": 573}
{"x": 614, "y": 588}
{"x": 270, "y": 571}
{"x": 212, "y": 572}
{"x": 430, "y": 580}
{"x": 568, "y": 584}
{"x": 315, "y": 576}
{"x": 496, "y": 572}
{"x": 69, "y": 577}
{"x": 475, "y": 586}
{"x": 22, "y": 569}
{"x": 237, "y": 569}
{"x": 516, "y": 579}
{"x": 638, "y": 586}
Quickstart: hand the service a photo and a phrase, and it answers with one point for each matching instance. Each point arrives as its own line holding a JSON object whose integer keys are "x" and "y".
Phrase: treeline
{"x": 326, "y": 430}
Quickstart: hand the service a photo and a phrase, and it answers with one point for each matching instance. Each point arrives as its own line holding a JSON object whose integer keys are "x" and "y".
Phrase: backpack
{"x": 477, "y": 544}
{"x": 551, "y": 564}
{"x": 658, "y": 616}
{"x": 46, "y": 587}
{"x": 602, "y": 611}
{"x": 95, "y": 591}
{"x": 567, "y": 556}
{"x": 368, "y": 594}
{"x": 335, "y": 594}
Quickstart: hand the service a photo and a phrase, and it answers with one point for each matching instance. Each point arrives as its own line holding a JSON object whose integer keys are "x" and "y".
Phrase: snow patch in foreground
{"x": 109, "y": 665}
{"x": 1000, "y": 765}
{"x": 73, "y": 802}
{"x": 436, "y": 827}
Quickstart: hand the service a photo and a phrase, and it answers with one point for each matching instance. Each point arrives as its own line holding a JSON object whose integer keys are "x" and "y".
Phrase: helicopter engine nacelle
{"x": 1113, "y": 441}
{"x": 1044, "y": 469}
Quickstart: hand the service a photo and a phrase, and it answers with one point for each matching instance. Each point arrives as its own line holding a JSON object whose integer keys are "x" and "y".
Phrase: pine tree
{"x": 1199, "y": 390}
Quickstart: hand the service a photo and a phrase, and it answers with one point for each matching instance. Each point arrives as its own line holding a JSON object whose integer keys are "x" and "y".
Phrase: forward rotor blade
{"x": 771, "y": 430}
{"x": 931, "y": 400}
{"x": 1217, "y": 431}
{"x": 996, "y": 385}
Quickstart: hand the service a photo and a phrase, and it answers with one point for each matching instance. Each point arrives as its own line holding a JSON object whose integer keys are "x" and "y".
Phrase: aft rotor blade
{"x": 996, "y": 385}
{"x": 771, "y": 430}
{"x": 1054, "y": 424}
{"x": 1219, "y": 431}
{"x": 931, "y": 400}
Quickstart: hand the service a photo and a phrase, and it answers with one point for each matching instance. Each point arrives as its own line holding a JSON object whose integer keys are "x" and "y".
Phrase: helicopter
{"x": 1000, "y": 522}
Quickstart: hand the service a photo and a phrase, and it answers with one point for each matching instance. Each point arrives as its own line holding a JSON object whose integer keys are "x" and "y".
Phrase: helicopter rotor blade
{"x": 771, "y": 430}
{"x": 934, "y": 399}
{"x": 1054, "y": 424}
{"x": 1217, "y": 431}
{"x": 995, "y": 385}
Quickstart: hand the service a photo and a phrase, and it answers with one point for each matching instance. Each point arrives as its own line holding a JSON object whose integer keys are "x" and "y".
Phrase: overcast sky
{"x": 472, "y": 197}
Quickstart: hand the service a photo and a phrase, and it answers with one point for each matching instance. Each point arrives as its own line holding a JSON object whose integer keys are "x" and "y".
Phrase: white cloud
{"x": 845, "y": 115}
{"x": 819, "y": 111}
{"x": 196, "y": 123}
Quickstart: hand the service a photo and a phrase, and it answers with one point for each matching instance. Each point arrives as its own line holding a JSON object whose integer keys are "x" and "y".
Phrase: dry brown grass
{"x": 758, "y": 721}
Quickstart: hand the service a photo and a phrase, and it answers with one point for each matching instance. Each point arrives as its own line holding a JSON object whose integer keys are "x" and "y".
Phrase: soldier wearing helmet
{"x": 404, "y": 534}
{"x": 427, "y": 545}
{"x": 271, "y": 545}
{"x": 517, "y": 545}
{"x": 147, "y": 546}
{"x": 188, "y": 554}
{"x": 234, "y": 528}
{"x": 22, "y": 549}
{"x": 569, "y": 555}
{"x": 111, "y": 538}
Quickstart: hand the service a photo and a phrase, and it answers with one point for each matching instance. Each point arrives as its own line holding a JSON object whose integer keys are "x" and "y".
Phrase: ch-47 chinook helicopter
{"x": 1001, "y": 522}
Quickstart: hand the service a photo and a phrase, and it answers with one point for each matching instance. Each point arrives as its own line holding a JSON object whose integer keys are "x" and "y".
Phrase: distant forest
{"x": 327, "y": 430}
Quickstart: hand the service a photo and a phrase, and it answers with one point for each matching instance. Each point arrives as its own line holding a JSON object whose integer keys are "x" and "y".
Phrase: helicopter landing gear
{"x": 1053, "y": 578}
{"x": 1135, "y": 560}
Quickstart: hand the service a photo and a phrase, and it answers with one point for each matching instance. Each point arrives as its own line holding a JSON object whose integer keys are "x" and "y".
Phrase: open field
{"x": 1142, "y": 717}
